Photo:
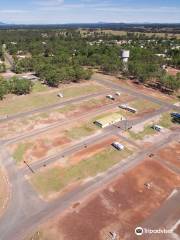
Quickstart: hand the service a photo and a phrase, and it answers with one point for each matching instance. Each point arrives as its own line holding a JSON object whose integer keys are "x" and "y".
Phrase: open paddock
{"x": 119, "y": 207}
{"x": 125, "y": 82}
{"x": 42, "y": 120}
{"x": 81, "y": 166}
{"x": 14, "y": 104}
{"x": 171, "y": 153}
{"x": 51, "y": 141}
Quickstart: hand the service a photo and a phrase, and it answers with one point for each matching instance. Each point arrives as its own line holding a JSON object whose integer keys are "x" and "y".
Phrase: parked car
{"x": 118, "y": 93}
{"x": 157, "y": 128}
{"x": 118, "y": 146}
{"x": 60, "y": 95}
{"x": 175, "y": 114}
{"x": 110, "y": 97}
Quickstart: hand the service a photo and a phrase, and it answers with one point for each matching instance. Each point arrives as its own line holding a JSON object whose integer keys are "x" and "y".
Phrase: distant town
{"x": 90, "y": 134}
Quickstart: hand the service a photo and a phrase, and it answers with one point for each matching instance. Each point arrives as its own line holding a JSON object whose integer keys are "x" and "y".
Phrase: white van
{"x": 118, "y": 146}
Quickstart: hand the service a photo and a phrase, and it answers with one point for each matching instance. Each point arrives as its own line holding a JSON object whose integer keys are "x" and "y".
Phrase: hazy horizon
{"x": 89, "y": 11}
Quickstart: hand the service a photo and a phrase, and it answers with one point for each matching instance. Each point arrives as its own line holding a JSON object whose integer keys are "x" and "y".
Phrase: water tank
{"x": 125, "y": 53}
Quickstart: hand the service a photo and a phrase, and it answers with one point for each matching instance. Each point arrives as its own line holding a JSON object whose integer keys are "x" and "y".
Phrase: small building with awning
{"x": 109, "y": 120}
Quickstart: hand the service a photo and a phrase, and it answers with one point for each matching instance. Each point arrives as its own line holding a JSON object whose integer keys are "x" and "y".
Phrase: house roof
{"x": 110, "y": 118}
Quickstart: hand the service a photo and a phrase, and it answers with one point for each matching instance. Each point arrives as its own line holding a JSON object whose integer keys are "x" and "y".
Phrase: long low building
{"x": 109, "y": 120}
{"x": 128, "y": 108}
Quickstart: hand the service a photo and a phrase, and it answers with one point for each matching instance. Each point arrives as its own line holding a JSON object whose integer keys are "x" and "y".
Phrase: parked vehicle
{"x": 118, "y": 93}
{"x": 60, "y": 95}
{"x": 110, "y": 97}
{"x": 157, "y": 128}
{"x": 118, "y": 146}
{"x": 175, "y": 117}
{"x": 128, "y": 108}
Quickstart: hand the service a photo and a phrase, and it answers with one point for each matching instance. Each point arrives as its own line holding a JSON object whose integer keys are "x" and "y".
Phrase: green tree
{"x": 2, "y": 68}
{"x": 170, "y": 82}
{"x": 20, "y": 86}
{"x": 3, "y": 88}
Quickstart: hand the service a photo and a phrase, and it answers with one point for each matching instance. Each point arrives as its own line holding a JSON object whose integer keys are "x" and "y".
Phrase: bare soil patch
{"x": 4, "y": 191}
{"x": 171, "y": 153}
{"x": 172, "y": 71}
{"x": 90, "y": 151}
{"x": 120, "y": 207}
{"x": 138, "y": 87}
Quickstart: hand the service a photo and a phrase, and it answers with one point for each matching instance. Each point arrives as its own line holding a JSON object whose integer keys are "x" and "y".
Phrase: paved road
{"x": 53, "y": 106}
{"x": 62, "y": 122}
{"x": 26, "y": 210}
{"x": 165, "y": 217}
{"x": 116, "y": 86}
{"x": 91, "y": 140}
{"x": 23, "y": 200}
{"x": 8, "y": 60}
{"x": 24, "y": 222}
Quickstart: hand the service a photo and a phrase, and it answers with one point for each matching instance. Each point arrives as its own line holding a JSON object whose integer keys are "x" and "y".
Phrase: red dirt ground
{"x": 143, "y": 113}
{"x": 43, "y": 146}
{"x": 120, "y": 207}
{"x": 13, "y": 128}
{"x": 40, "y": 149}
{"x": 142, "y": 88}
{"x": 171, "y": 153}
{"x": 90, "y": 151}
{"x": 104, "y": 102}
{"x": 172, "y": 71}
{"x": 178, "y": 229}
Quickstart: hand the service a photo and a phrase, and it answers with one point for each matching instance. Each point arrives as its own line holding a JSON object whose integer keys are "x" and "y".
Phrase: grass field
{"x": 55, "y": 179}
{"x": 142, "y": 105}
{"x": 86, "y": 129}
{"x": 140, "y": 136}
{"x": 20, "y": 150}
{"x": 83, "y": 130}
{"x": 89, "y": 103}
{"x": 149, "y": 34}
{"x": 39, "y": 87}
{"x": 35, "y": 100}
{"x": 165, "y": 121}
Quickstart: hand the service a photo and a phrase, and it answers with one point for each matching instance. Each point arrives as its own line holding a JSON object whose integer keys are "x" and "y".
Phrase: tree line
{"x": 63, "y": 56}
{"x": 14, "y": 85}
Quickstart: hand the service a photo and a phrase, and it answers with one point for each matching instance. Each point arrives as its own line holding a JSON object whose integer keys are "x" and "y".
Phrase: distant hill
{"x": 132, "y": 27}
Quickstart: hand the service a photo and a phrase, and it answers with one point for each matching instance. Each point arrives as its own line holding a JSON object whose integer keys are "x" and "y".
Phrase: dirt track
{"x": 120, "y": 207}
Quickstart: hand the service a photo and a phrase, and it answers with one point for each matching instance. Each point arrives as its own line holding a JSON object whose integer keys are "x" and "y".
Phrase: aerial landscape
{"x": 90, "y": 120}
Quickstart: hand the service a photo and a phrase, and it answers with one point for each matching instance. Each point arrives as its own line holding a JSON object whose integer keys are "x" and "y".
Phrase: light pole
{"x": 30, "y": 168}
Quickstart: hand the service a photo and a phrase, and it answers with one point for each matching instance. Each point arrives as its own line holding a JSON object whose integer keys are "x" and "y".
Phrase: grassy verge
{"x": 165, "y": 121}
{"x": 39, "y": 87}
{"x": 55, "y": 179}
{"x": 80, "y": 90}
{"x": 78, "y": 132}
{"x": 20, "y": 150}
{"x": 140, "y": 136}
{"x": 142, "y": 105}
{"x": 34, "y": 100}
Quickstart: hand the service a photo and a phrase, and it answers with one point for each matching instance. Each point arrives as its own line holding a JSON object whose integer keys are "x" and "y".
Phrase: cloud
{"x": 149, "y": 10}
{"x": 62, "y": 11}
{"x": 49, "y": 2}
{"x": 12, "y": 11}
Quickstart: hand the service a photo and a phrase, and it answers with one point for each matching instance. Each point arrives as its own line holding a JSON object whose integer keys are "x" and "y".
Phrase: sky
{"x": 89, "y": 11}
